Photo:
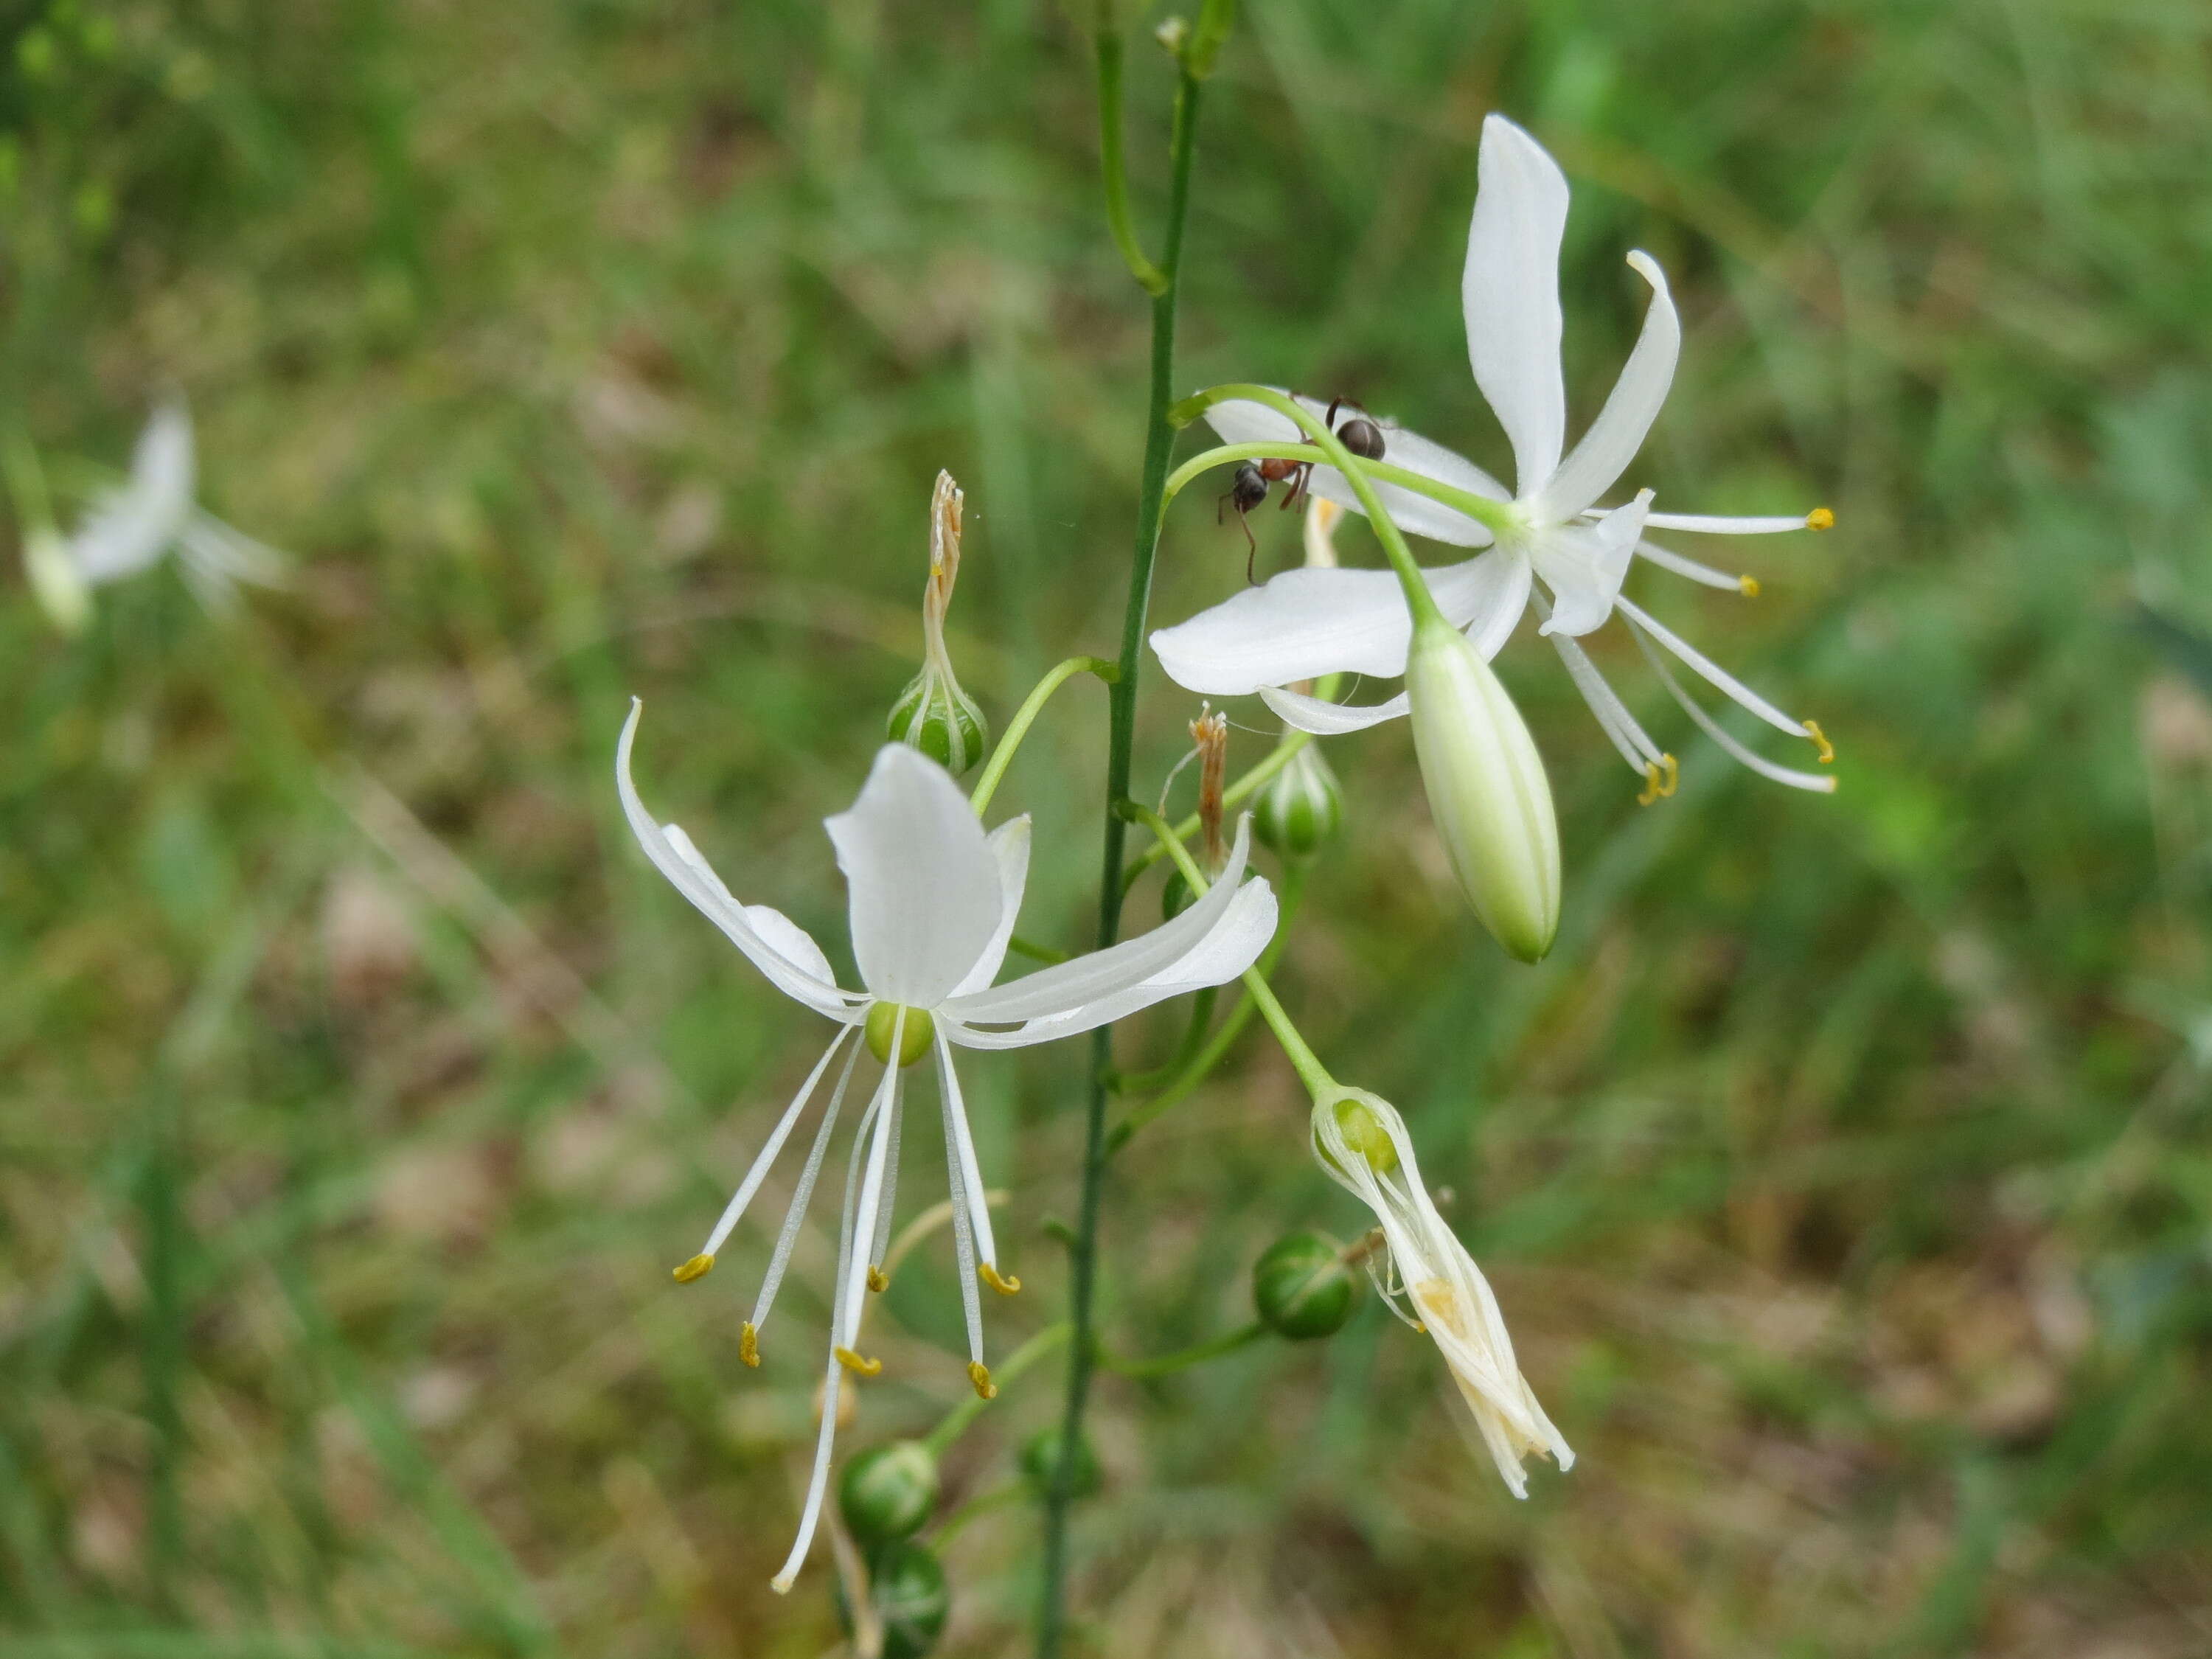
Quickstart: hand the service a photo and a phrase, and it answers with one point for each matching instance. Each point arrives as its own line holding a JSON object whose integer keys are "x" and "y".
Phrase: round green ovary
{"x": 914, "y": 1037}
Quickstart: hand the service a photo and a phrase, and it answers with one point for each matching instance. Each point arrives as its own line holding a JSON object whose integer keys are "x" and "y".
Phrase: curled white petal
{"x": 1619, "y": 430}
{"x": 1324, "y": 719}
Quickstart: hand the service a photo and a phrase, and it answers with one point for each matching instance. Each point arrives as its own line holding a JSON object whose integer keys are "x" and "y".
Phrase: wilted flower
{"x": 934, "y": 713}
{"x": 932, "y": 905}
{"x": 128, "y": 526}
{"x": 1362, "y": 1143}
{"x": 1555, "y": 548}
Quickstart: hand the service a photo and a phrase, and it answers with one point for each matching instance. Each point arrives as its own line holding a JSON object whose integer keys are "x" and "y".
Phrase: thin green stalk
{"x": 1167, "y": 1365}
{"x": 955, "y": 1422}
{"x": 1419, "y": 599}
{"x": 1192, "y": 1044}
{"x": 1277, "y": 759}
{"x": 1484, "y": 509}
{"x": 1112, "y": 172}
{"x": 1122, "y": 700}
{"x": 994, "y": 769}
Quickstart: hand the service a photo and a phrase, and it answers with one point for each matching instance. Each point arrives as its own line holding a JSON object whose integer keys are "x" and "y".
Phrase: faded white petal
{"x": 1619, "y": 432}
{"x": 925, "y": 886}
{"x": 1511, "y": 291}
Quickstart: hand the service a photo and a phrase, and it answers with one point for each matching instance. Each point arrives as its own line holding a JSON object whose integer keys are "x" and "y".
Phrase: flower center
{"x": 914, "y": 1037}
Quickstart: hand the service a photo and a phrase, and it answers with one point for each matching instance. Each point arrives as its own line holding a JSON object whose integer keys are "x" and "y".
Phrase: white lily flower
{"x": 1558, "y": 550}
{"x": 1363, "y": 1143}
{"x": 130, "y": 525}
{"x": 933, "y": 900}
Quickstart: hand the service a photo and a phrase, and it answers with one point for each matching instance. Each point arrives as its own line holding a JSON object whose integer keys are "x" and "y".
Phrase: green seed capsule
{"x": 914, "y": 1037}
{"x": 1039, "y": 1454}
{"x": 1300, "y": 1288}
{"x": 1302, "y": 808}
{"x": 906, "y": 1586}
{"x": 888, "y": 1492}
{"x": 1364, "y": 1132}
{"x": 1175, "y": 898}
{"x": 937, "y": 717}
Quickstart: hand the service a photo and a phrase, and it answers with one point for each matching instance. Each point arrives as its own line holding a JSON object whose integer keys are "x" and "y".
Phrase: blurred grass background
{"x": 1844, "y": 1173}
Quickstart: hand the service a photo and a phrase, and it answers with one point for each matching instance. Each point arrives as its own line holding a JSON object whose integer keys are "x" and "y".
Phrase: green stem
{"x": 1111, "y": 171}
{"x": 1121, "y": 702}
{"x": 1184, "y": 1084}
{"x": 994, "y": 769}
{"x": 1419, "y": 599}
{"x": 954, "y": 1422}
{"x": 1249, "y": 784}
{"x": 1167, "y": 1365}
{"x": 1310, "y": 1071}
{"x": 1487, "y": 510}
{"x": 1193, "y": 1043}
{"x": 1033, "y": 951}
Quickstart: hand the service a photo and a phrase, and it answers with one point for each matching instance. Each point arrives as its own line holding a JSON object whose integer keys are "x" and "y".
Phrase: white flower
{"x": 932, "y": 905}
{"x": 1559, "y": 550}
{"x": 1362, "y": 1143}
{"x": 130, "y": 525}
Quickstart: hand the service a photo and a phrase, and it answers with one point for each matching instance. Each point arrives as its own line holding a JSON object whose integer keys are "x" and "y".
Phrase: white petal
{"x": 1069, "y": 986}
{"x": 1306, "y": 622}
{"x": 1331, "y": 719}
{"x": 1492, "y": 614}
{"x": 1711, "y": 671}
{"x": 1511, "y": 291}
{"x": 924, "y": 884}
{"x": 1237, "y": 422}
{"x": 1619, "y": 432}
{"x": 1584, "y": 565}
{"x": 1232, "y": 946}
{"x": 793, "y": 963}
{"x": 131, "y": 527}
{"x": 1010, "y": 846}
{"x": 209, "y": 541}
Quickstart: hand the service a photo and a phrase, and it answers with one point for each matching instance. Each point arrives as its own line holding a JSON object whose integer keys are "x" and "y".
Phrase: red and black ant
{"x": 1253, "y": 479}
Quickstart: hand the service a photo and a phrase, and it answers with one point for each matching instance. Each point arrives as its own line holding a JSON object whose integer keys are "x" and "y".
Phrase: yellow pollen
{"x": 990, "y": 1275}
{"x": 1749, "y": 585}
{"x": 979, "y": 1374}
{"x": 1827, "y": 749}
{"x": 1660, "y": 778}
{"x": 1819, "y": 519}
{"x": 697, "y": 1268}
{"x": 879, "y": 1281}
{"x": 749, "y": 1345}
{"x": 854, "y": 1363}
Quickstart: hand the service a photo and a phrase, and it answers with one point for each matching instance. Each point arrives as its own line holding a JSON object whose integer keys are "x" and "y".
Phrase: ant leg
{"x": 1251, "y": 547}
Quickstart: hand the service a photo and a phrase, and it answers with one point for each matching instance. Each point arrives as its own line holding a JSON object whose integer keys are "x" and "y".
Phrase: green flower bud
{"x": 907, "y": 1588}
{"x": 1488, "y": 791}
{"x": 1302, "y": 808}
{"x": 914, "y": 1037}
{"x": 1040, "y": 1454}
{"x": 888, "y": 1492}
{"x": 937, "y": 717}
{"x": 1300, "y": 1288}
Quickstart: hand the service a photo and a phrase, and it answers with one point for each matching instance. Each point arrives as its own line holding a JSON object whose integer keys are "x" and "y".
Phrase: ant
{"x": 1249, "y": 487}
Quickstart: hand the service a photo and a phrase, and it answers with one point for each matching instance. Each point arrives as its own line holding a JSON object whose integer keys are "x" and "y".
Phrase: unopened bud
{"x": 907, "y": 1588}
{"x": 1487, "y": 791}
{"x": 1039, "y": 1456}
{"x": 888, "y": 1492}
{"x": 1302, "y": 808}
{"x": 1300, "y": 1288}
{"x": 60, "y": 591}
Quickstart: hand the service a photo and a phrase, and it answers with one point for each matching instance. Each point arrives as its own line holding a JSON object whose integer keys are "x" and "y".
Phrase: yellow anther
{"x": 1660, "y": 777}
{"x": 979, "y": 1374}
{"x": 990, "y": 1275}
{"x": 697, "y": 1268}
{"x": 854, "y": 1363}
{"x": 1749, "y": 585}
{"x": 1674, "y": 774}
{"x": 749, "y": 1345}
{"x": 1819, "y": 519}
{"x": 1827, "y": 749}
{"x": 879, "y": 1281}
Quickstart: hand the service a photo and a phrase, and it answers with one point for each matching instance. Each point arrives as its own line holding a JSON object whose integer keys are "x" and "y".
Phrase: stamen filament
{"x": 762, "y": 1163}
{"x": 787, "y": 1239}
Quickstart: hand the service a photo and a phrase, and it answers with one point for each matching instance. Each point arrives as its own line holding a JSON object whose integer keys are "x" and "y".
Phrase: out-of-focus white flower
{"x": 1430, "y": 1280}
{"x": 1558, "y": 549}
{"x": 128, "y": 526}
{"x": 932, "y": 905}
